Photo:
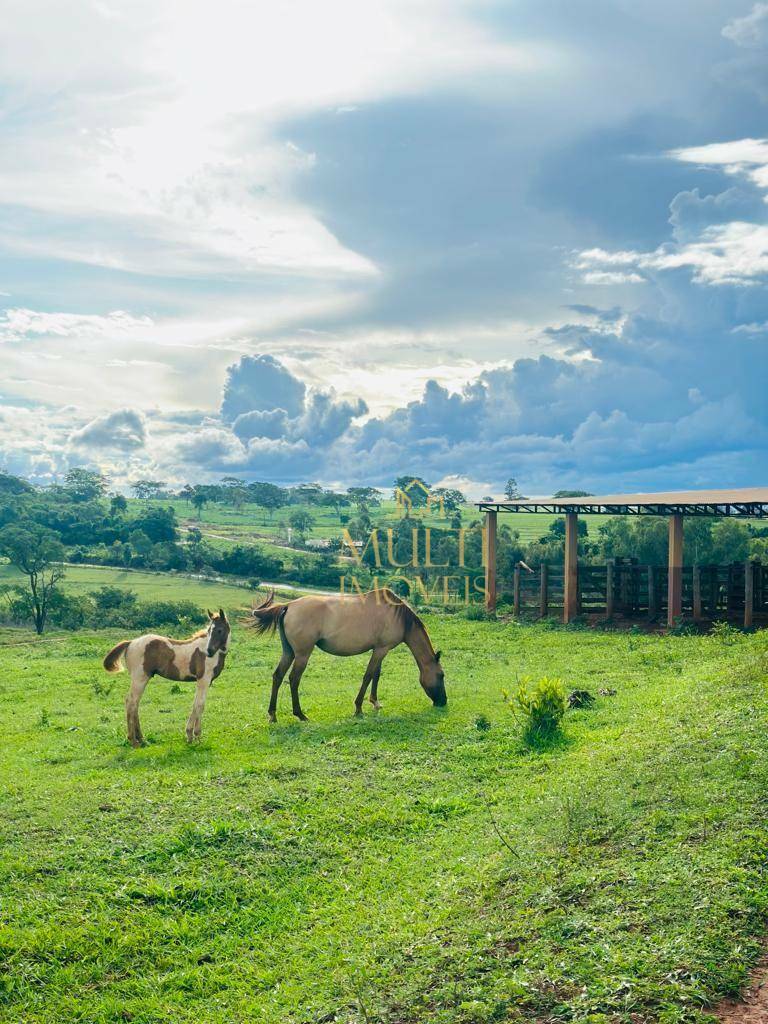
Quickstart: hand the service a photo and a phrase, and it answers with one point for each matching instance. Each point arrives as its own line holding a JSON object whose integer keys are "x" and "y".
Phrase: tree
{"x": 410, "y": 485}
{"x": 572, "y": 494}
{"x": 234, "y": 491}
{"x": 452, "y": 499}
{"x": 301, "y": 520}
{"x": 337, "y": 501}
{"x": 118, "y": 505}
{"x": 35, "y": 551}
{"x": 310, "y": 494}
{"x": 364, "y": 496}
{"x": 85, "y": 484}
{"x": 730, "y": 542}
{"x": 159, "y": 524}
{"x": 511, "y": 490}
{"x": 268, "y": 496}
{"x": 10, "y": 484}
{"x": 146, "y": 489}
{"x": 200, "y": 500}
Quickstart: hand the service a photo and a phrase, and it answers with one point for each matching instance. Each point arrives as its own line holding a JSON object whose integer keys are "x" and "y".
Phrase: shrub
{"x": 170, "y": 614}
{"x": 541, "y": 708}
{"x": 478, "y": 613}
{"x": 725, "y": 633}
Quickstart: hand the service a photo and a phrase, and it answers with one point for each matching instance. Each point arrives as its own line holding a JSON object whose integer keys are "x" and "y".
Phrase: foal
{"x": 200, "y": 658}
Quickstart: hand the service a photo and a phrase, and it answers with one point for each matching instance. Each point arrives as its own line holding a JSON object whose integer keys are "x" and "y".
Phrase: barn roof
{"x": 744, "y": 502}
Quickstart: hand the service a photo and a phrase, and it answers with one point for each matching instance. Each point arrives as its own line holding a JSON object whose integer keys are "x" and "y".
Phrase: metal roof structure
{"x": 740, "y": 503}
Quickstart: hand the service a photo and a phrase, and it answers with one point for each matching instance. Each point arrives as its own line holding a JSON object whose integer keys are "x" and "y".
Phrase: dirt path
{"x": 753, "y": 1007}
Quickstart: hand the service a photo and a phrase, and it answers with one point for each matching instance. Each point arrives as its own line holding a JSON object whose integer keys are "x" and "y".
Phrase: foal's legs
{"x": 139, "y": 681}
{"x": 195, "y": 720}
{"x": 372, "y": 673}
{"x": 277, "y": 677}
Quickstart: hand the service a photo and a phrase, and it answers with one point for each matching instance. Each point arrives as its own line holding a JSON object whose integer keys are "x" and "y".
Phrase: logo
{"x": 412, "y": 551}
{"x": 417, "y": 499}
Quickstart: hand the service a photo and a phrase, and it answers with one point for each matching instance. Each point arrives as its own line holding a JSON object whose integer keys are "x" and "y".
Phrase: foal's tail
{"x": 112, "y": 661}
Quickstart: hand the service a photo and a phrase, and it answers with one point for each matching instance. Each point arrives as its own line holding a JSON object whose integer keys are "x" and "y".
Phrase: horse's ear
{"x": 210, "y": 613}
{"x": 437, "y": 655}
{"x": 222, "y": 615}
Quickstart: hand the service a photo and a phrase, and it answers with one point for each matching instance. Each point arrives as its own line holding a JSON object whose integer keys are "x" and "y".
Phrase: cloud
{"x": 261, "y": 384}
{"x": 20, "y": 324}
{"x": 124, "y": 429}
{"x": 751, "y": 30}
{"x": 711, "y": 237}
{"x": 314, "y": 285}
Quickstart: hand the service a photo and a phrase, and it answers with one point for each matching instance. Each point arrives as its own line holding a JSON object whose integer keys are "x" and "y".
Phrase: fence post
{"x": 490, "y": 561}
{"x": 516, "y": 593}
{"x": 749, "y": 592}
{"x": 714, "y": 591}
{"x": 653, "y": 604}
{"x": 571, "y": 568}
{"x": 544, "y": 590}
{"x": 610, "y": 590}
{"x": 697, "y": 593}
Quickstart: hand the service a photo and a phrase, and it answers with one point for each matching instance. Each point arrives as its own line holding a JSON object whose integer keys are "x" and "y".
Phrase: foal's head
{"x": 217, "y": 637}
{"x": 432, "y": 678}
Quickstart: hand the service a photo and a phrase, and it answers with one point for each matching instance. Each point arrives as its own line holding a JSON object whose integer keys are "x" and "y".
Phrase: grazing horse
{"x": 345, "y": 625}
{"x": 200, "y": 658}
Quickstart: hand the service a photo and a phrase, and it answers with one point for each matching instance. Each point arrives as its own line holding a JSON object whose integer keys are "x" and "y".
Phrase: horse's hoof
{"x": 271, "y": 719}
{"x": 376, "y": 705}
{"x": 358, "y": 712}
{"x": 302, "y": 718}
{"x": 137, "y": 743}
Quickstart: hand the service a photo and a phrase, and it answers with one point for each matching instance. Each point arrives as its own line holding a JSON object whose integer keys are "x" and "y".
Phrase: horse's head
{"x": 432, "y": 678}
{"x": 218, "y": 633}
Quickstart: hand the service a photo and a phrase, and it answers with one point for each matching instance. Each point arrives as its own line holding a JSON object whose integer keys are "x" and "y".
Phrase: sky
{"x": 350, "y": 241}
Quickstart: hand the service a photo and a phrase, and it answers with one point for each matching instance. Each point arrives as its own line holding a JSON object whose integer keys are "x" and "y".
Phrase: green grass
{"x": 223, "y": 526}
{"x": 414, "y": 866}
{"x": 149, "y": 586}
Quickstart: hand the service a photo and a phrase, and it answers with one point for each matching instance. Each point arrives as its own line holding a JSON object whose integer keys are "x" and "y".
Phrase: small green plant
{"x": 541, "y": 708}
{"x": 681, "y": 627}
{"x": 724, "y": 633}
{"x": 44, "y": 720}
{"x": 477, "y": 613}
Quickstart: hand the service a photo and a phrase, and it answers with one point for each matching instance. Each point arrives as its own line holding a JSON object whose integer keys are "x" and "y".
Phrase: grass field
{"x": 243, "y": 524}
{"x": 414, "y": 866}
{"x": 150, "y": 586}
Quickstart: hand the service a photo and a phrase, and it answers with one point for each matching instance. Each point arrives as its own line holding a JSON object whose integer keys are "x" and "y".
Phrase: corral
{"x": 673, "y": 590}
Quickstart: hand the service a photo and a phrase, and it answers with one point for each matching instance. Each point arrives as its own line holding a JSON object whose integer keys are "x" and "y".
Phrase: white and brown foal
{"x": 200, "y": 658}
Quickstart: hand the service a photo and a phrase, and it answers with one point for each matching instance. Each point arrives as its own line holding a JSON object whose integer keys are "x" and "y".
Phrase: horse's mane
{"x": 404, "y": 612}
{"x": 189, "y": 639}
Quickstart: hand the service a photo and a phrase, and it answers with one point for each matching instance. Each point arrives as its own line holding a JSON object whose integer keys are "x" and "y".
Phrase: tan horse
{"x": 346, "y": 625}
{"x": 199, "y": 658}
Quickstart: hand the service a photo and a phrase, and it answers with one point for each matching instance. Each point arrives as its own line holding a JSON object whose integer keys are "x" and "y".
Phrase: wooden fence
{"x": 623, "y": 588}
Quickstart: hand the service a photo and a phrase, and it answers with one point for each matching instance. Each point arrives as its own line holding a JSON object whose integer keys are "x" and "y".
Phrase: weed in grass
{"x": 540, "y": 707}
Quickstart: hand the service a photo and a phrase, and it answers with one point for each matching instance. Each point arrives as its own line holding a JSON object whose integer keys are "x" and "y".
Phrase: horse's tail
{"x": 112, "y": 661}
{"x": 268, "y": 616}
